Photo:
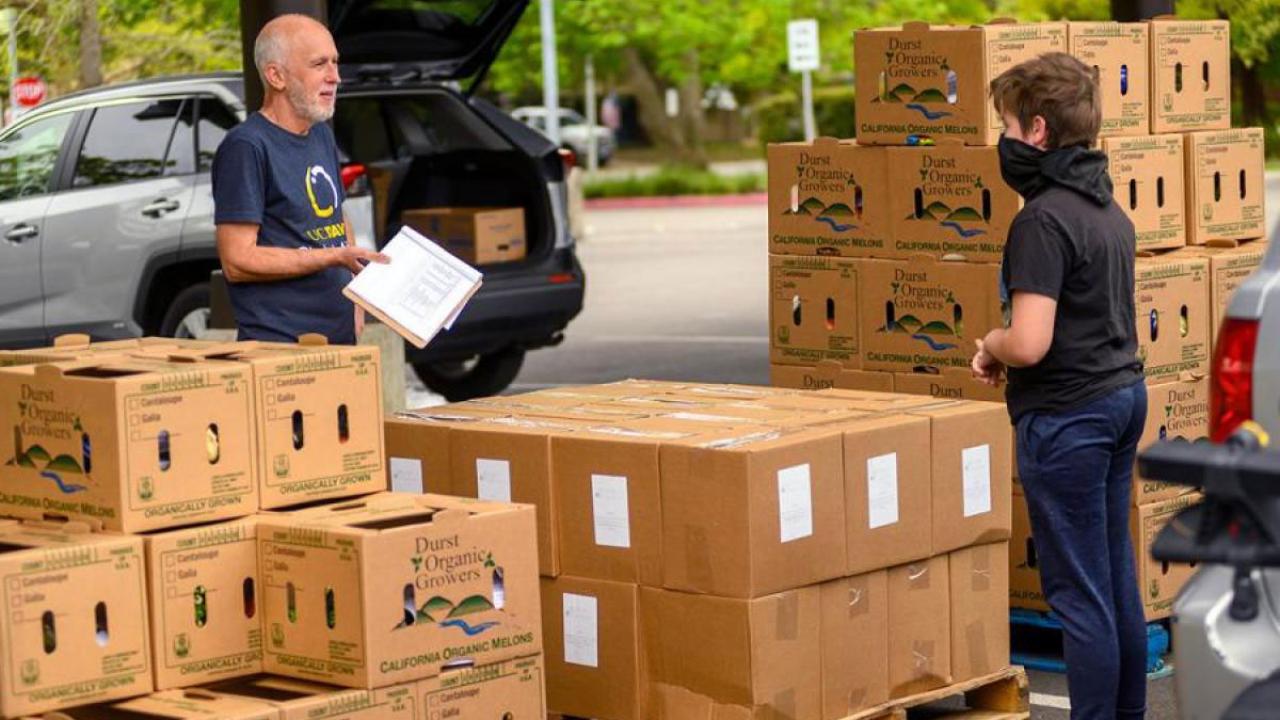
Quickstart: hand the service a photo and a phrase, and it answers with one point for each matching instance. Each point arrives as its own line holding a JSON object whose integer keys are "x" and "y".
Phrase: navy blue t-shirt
{"x": 288, "y": 185}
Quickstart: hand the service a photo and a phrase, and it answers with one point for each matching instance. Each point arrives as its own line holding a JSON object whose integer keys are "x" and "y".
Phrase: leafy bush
{"x": 778, "y": 117}
{"x": 674, "y": 180}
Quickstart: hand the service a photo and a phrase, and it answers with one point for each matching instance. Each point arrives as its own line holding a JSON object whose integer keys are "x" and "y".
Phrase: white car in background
{"x": 575, "y": 134}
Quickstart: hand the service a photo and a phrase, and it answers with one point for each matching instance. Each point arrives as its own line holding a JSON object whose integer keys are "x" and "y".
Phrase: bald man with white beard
{"x": 286, "y": 250}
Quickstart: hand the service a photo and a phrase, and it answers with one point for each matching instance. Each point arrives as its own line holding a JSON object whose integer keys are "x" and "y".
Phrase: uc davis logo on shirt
{"x": 314, "y": 174}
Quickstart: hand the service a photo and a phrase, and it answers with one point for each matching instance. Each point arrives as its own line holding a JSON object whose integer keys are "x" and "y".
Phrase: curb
{"x": 636, "y": 203}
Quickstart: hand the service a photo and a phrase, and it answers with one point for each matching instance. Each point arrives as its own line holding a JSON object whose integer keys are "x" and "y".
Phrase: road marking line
{"x": 1050, "y": 701}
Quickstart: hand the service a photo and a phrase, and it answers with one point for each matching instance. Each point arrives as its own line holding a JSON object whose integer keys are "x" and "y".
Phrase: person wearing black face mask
{"x": 1075, "y": 390}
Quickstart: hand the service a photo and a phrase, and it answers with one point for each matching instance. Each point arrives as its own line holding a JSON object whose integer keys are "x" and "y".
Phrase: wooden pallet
{"x": 1000, "y": 696}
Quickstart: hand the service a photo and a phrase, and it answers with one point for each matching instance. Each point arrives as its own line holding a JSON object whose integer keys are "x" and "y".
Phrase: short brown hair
{"x": 1057, "y": 87}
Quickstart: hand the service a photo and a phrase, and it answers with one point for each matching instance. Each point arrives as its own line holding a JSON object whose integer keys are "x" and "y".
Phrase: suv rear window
{"x": 128, "y": 142}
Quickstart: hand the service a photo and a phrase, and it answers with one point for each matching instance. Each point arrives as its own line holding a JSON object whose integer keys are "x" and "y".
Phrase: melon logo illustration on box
{"x": 30, "y": 672}
{"x": 906, "y": 63}
{"x": 181, "y": 645}
{"x": 40, "y": 423}
{"x": 905, "y": 313}
{"x": 815, "y": 178}
{"x": 941, "y": 176}
{"x": 435, "y": 566}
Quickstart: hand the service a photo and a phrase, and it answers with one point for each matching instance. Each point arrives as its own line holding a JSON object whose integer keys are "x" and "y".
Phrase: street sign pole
{"x": 593, "y": 142}
{"x": 550, "y": 71}
{"x": 803, "y": 57}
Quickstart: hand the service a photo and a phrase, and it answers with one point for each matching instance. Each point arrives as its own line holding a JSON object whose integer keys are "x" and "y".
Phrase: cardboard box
{"x": 1176, "y": 411}
{"x": 972, "y": 455}
{"x": 1121, "y": 55}
{"x": 75, "y": 617}
{"x": 203, "y": 594}
{"x": 1226, "y": 185}
{"x": 591, "y": 630}
{"x": 134, "y": 444}
{"x": 888, "y": 494}
{"x": 719, "y": 657}
{"x": 828, "y": 197}
{"x": 478, "y": 236}
{"x": 855, "y": 644}
{"x": 925, "y": 313}
{"x": 397, "y": 587}
{"x": 1160, "y": 582}
{"x": 1190, "y": 75}
{"x": 813, "y": 310}
{"x": 319, "y": 418}
{"x": 1228, "y": 268}
{"x": 302, "y": 700}
{"x": 1025, "y": 590}
{"x": 919, "y": 627}
{"x": 418, "y": 446}
{"x": 949, "y": 200}
{"x": 1173, "y": 315}
{"x": 979, "y": 611}
{"x": 190, "y": 704}
{"x": 1148, "y": 173}
{"x": 922, "y": 82}
{"x": 75, "y": 346}
{"x": 950, "y": 384}
{"x": 828, "y": 374}
{"x": 750, "y": 516}
{"x": 512, "y": 689}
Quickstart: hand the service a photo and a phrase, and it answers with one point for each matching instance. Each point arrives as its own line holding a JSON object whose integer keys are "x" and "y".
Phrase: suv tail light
{"x": 569, "y": 158}
{"x": 350, "y": 174}
{"x": 1231, "y": 379}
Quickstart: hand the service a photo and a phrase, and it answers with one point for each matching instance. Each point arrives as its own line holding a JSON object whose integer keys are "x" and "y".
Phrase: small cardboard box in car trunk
{"x": 479, "y": 236}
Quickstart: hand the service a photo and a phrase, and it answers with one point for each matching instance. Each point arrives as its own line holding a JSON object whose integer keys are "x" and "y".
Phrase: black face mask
{"x": 1020, "y": 166}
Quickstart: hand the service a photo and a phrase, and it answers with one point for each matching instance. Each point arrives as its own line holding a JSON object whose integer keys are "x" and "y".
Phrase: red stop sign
{"x": 28, "y": 92}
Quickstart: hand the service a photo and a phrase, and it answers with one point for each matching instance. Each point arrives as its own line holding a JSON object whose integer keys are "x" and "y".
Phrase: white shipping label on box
{"x": 611, "y": 511}
{"x": 976, "y": 464}
{"x": 406, "y": 475}
{"x": 581, "y": 630}
{"x": 493, "y": 480}
{"x": 882, "y": 490}
{"x": 795, "y": 502}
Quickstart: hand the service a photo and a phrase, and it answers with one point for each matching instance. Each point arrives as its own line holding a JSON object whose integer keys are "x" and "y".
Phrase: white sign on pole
{"x": 802, "y": 46}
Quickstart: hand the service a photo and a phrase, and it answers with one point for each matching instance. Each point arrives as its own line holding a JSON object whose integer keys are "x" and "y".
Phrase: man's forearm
{"x": 268, "y": 264}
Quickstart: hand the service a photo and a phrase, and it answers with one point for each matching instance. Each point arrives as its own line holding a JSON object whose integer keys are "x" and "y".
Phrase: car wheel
{"x": 481, "y": 376}
{"x": 188, "y": 314}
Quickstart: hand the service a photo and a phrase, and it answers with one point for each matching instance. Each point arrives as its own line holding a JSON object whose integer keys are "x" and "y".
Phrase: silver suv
{"x": 106, "y": 209}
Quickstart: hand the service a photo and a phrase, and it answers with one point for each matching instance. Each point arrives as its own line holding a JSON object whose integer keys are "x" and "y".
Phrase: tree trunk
{"x": 667, "y": 135}
{"x": 90, "y": 45}
{"x": 1253, "y": 95}
{"x": 691, "y": 114}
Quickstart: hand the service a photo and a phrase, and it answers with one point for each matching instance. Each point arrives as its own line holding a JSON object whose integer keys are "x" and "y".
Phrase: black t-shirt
{"x": 1064, "y": 246}
{"x": 288, "y": 185}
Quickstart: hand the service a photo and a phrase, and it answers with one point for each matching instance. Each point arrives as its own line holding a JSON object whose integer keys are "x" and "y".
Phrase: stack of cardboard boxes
{"x": 884, "y": 252}
{"x": 712, "y": 550}
{"x": 156, "y": 543}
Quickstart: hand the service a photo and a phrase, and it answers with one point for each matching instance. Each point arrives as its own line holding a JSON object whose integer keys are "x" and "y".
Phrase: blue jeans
{"x": 1076, "y": 469}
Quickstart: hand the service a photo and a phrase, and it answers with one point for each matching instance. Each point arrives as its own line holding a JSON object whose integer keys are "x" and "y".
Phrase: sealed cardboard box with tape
{"x": 1121, "y": 55}
{"x": 1177, "y": 411}
{"x": 418, "y": 446}
{"x": 921, "y": 82}
{"x": 75, "y": 617}
{"x": 925, "y": 313}
{"x": 594, "y": 659}
{"x": 855, "y": 644}
{"x": 1226, "y": 185}
{"x": 134, "y": 444}
{"x": 203, "y": 587}
{"x": 719, "y": 657}
{"x": 919, "y": 627}
{"x": 813, "y": 310}
{"x": 1190, "y": 75}
{"x": 479, "y": 236}
{"x": 1148, "y": 172}
{"x": 979, "y": 610}
{"x": 949, "y": 200}
{"x": 828, "y": 374}
{"x": 1172, "y": 309}
{"x": 396, "y": 587}
{"x": 827, "y": 197}
{"x": 755, "y": 513}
